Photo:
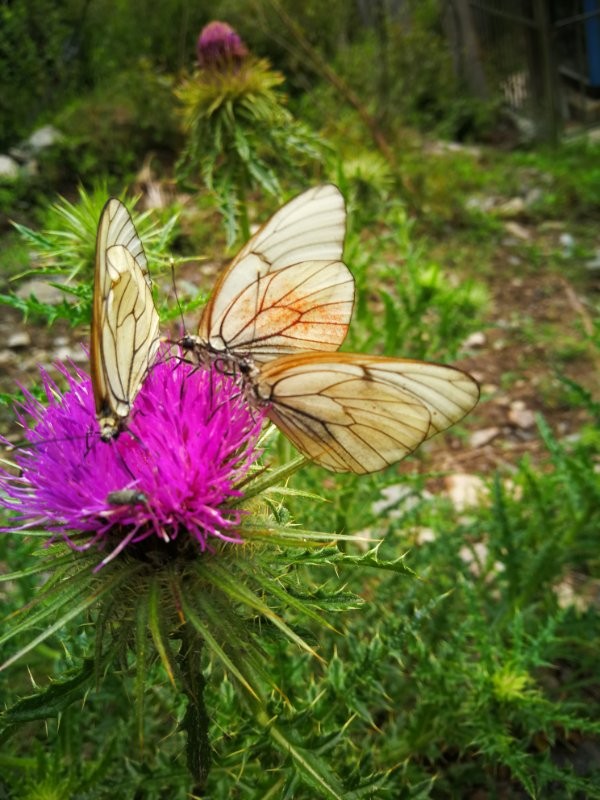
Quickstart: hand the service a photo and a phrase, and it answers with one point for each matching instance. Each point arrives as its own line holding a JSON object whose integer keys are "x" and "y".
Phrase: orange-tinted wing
{"x": 354, "y": 413}
{"x": 287, "y": 290}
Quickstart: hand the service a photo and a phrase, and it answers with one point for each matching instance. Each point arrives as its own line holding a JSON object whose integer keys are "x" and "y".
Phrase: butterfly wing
{"x": 287, "y": 290}
{"x": 125, "y": 323}
{"x": 352, "y": 413}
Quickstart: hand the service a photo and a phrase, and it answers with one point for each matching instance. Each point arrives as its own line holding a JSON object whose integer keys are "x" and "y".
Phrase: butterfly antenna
{"x": 172, "y": 265}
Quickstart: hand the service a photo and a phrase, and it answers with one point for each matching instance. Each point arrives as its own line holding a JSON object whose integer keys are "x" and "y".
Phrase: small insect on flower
{"x": 175, "y": 479}
{"x": 124, "y": 333}
{"x": 274, "y": 318}
{"x": 126, "y": 497}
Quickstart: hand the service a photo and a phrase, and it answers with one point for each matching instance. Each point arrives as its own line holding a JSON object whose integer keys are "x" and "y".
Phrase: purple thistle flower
{"x": 219, "y": 46}
{"x": 191, "y": 439}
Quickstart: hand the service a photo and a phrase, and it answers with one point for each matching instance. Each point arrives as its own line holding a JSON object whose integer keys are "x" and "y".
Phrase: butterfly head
{"x": 189, "y": 343}
{"x": 247, "y": 368}
{"x": 200, "y": 349}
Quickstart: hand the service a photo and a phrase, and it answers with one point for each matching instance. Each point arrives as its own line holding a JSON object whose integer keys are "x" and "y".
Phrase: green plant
{"x": 32, "y": 63}
{"x": 113, "y": 128}
{"x": 239, "y": 133}
{"x": 419, "y": 308}
{"x": 65, "y": 250}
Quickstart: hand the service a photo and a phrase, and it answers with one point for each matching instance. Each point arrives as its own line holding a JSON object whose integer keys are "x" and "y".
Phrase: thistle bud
{"x": 219, "y": 46}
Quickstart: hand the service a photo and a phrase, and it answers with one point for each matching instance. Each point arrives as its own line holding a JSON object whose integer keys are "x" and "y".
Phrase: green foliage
{"x": 571, "y": 176}
{"x": 66, "y": 248}
{"x": 367, "y": 182}
{"x": 488, "y": 623}
{"x": 164, "y": 608}
{"x": 240, "y": 136}
{"x": 381, "y": 58}
{"x": 420, "y": 311}
{"x": 36, "y": 62}
{"x": 51, "y": 52}
{"x": 111, "y": 129}
{"x": 477, "y": 677}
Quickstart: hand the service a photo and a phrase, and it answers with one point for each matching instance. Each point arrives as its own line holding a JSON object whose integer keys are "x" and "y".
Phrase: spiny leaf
{"x": 155, "y": 623}
{"x": 141, "y": 666}
{"x": 272, "y": 587}
{"x": 217, "y": 649}
{"x": 315, "y": 772}
{"x": 89, "y": 600}
{"x": 239, "y": 593}
{"x": 55, "y": 698}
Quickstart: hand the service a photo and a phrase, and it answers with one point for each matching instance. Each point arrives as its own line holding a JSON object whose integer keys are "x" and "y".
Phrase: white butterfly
{"x": 275, "y": 318}
{"x": 125, "y": 323}
{"x": 287, "y": 290}
{"x": 359, "y": 413}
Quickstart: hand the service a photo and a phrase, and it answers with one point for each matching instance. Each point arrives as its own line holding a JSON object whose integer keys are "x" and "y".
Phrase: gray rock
{"x": 483, "y": 436}
{"x": 9, "y": 169}
{"x": 43, "y": 138}
{"x": 475, "y": 339}
{"x": 521, "y": 416}
{"x": 18, "y": 340}
{"x": 594, "y": 263}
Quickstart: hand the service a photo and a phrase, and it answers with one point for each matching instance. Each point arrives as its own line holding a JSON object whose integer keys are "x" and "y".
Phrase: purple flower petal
{"x": 219, "y": 45}
{"x": 191, "y": 439}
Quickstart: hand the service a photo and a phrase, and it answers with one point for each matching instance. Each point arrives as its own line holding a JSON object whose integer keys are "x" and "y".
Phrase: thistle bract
{"x": 191, "y": 440}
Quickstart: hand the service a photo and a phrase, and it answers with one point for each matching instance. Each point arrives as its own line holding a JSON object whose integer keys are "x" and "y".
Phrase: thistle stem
{"x": 195, "y": 722}
{"x": 244, "y": 219}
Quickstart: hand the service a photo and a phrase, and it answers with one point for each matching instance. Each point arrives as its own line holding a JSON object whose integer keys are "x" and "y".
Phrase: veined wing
{"x": 125, "y": 323}
{"x": 287, "y": 290}
{"x": 354, "y": 413}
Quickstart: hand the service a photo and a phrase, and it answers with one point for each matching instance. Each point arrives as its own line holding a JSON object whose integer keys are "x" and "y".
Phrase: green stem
{"x": 244, "y": 219}
{"x": 195, "y": 722}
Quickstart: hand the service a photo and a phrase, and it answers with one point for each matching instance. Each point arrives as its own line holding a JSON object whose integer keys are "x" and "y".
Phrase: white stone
{"x": 567, "y": 242}
{"x": 476, "y": 339}
{"x": 425, "y": 536}
{"x": 397, "y": 499}
{"x": 67, "y": 353}
{"x": 465, "y": 490}
{"x": 510, "y": 208}
{"x": 40, "y": 290}
{"x": 18, "y": 340}
{"x": 483, "y": 436}
{"x": 517, "y": 230}
{"x": 43, "y": 138}
{"x": 521, "y": 416}
{"x": 9, "y": 169}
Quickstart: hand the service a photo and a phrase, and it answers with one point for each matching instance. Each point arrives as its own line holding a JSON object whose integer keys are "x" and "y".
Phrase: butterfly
{"x": 357, "y": 413}
{"x": 286, "y": 291}
{"x": 275, "y": 318}
{"x": 125, "y": 323}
